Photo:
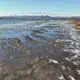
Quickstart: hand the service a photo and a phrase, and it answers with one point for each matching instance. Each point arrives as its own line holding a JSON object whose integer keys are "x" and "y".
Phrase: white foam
{"x": 67, "y": 59}
{"x": 66, "y": 49}
{"x": 75, "y": 63}
{"x": 53, "y": 61}
{"x": 78, "y": 71}
{"x": 72, "y": 78}
{"x": 61, "y": 77}
{"x": 63, "y": 67}
{"x": 74, "y": 57}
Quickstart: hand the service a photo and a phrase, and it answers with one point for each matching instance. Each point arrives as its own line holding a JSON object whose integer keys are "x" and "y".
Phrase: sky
{"x": 36, "y": 7}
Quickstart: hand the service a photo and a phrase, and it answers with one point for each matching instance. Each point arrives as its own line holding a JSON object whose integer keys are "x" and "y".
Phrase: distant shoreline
{"x": 42, "y": 17}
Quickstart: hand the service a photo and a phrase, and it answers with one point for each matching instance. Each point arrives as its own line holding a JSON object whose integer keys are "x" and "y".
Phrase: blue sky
{"x": 51, "y": 7}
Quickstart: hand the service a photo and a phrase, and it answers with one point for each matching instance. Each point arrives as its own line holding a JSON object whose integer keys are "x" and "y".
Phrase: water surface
{"x": 27, "y": 45}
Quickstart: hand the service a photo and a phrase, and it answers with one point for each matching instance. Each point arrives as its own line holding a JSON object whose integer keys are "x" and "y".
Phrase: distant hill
{"x": 39, "y": 18}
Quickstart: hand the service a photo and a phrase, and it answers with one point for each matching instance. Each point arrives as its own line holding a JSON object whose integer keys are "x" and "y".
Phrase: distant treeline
{"x": 39, "y": 18}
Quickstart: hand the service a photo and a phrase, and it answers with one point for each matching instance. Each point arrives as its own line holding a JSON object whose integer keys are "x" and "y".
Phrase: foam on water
{"x": 74, "y": 37}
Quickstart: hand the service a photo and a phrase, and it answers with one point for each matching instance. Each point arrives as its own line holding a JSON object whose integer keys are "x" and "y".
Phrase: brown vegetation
{"x": 77, "y": 23}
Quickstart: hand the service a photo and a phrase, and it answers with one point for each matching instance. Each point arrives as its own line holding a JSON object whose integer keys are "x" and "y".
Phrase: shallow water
{"x": 24, "y": 44}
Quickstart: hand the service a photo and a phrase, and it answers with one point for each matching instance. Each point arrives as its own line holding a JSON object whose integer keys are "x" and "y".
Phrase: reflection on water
{"x": 37, "y": 50}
